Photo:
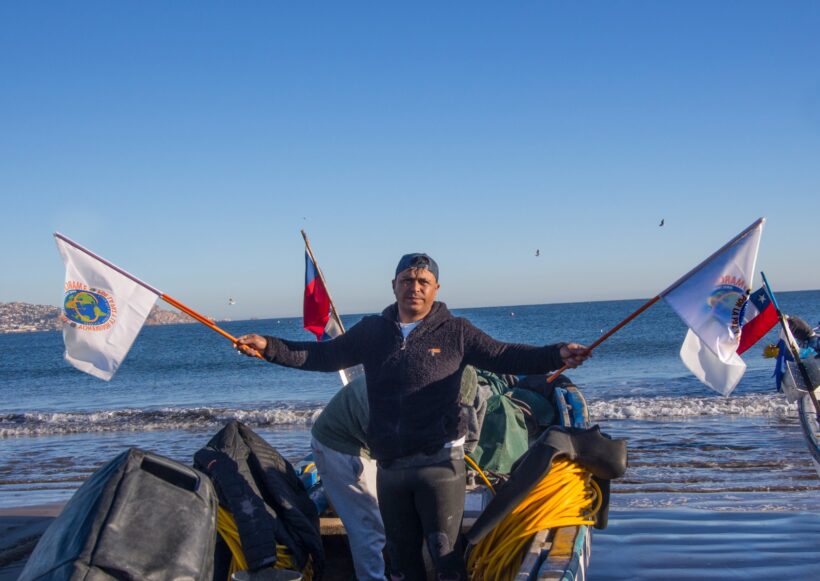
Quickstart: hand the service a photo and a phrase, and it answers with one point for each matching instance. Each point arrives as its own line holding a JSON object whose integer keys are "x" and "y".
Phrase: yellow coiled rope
{"x": 564, "y": 497}
{"x": 226, "y": 527}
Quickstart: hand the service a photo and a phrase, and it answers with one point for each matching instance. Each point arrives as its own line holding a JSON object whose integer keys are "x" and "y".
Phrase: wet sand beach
{"x": 20, "y": 528}
{"x": 680, "y": 544}
{"x": 673, "y": 544}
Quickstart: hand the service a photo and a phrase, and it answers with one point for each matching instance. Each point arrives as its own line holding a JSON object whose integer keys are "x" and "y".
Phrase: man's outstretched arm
{"x": 339, "y": 353}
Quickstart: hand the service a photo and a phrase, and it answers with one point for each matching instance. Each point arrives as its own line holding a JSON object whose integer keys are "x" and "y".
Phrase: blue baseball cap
{"x": 417, "y": 260}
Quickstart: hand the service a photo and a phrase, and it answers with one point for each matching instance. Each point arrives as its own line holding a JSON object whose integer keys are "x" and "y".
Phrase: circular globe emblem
{"x": 723, "y": 300}
{"x": 86, "y": 307}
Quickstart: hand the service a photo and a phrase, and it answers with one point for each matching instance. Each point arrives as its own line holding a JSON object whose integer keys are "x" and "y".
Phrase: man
{"x": 413, "y": 356}
{"x": 348, "y": 472}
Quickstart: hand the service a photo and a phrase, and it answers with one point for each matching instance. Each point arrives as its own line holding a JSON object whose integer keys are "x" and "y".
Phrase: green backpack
{"x": 503, "y": 436}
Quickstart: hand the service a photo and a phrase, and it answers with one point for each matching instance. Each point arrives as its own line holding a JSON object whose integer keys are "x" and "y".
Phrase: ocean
{"x": 698, "y": 462}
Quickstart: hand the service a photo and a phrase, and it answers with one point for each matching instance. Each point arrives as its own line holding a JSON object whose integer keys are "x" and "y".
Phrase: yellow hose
{"x": 475, "y": 467}
{"x": 564, "y": 497}
{"x": 226, "y": 527}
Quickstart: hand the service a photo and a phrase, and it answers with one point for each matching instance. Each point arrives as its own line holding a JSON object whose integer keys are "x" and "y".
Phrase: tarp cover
{"x": 141, "y": 516}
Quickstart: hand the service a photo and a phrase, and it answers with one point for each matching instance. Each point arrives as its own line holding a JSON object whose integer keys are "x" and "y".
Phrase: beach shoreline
{"x": 20, "y": 529}
{"x": 675, "y": 543}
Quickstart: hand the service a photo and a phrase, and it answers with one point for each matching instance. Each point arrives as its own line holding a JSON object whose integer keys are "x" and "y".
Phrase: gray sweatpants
{"x": 350, "y": 485}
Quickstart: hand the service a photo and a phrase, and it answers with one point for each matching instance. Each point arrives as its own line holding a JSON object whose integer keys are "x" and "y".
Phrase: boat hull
{"x": 811, "y": 429}
{"x": 795, "y": 389}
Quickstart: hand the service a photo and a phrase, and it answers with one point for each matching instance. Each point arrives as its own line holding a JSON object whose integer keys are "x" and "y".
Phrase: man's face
{"x": 415, "y": 290}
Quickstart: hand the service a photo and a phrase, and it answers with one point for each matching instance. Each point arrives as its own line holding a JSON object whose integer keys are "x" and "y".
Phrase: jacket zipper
{"x": 402, "y": 363}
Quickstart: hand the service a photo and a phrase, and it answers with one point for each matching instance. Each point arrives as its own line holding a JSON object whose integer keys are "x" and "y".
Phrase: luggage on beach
{"x": 141, "y": 516}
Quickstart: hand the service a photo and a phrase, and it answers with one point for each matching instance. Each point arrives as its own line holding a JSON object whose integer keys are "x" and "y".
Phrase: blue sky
{"x": 189, "y": 142}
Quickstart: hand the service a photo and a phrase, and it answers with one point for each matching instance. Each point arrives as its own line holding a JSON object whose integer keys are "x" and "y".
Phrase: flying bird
{"x": 538, "y": 252}
{"x": 661, "y": 224}
{"x": 231, "y": 302}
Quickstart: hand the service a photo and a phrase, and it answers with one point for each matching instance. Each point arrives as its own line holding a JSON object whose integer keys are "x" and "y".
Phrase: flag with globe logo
{"x": 710, "y": 300}
{"x": 103, "y": 312}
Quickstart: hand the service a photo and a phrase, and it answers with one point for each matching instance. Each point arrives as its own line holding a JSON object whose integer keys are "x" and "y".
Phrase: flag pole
{"x": 669, "y": 289}
{"x": 171, "y": 301}
{"x": 333, "y": 312}
{"x": 609, "y": 333}
{"x": 209, "y": 323}
{"x": 793, "y": 348}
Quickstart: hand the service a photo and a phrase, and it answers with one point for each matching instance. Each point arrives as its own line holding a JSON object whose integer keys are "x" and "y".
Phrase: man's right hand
{"x": 251, "y": 345}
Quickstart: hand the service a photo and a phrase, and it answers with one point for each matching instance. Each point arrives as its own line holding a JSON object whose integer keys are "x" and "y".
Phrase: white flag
{"x": 103, "y": 312}
{"x": 722, "y": 376}
{"x": 709, "y": 300}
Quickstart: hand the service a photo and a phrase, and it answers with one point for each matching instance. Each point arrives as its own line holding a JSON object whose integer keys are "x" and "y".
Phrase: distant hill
{"x": 25, "y": 317}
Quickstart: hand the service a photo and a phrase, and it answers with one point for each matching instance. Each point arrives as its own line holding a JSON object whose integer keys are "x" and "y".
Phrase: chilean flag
{"x": 316, "y": 306}
{"x": 761, "y": 316}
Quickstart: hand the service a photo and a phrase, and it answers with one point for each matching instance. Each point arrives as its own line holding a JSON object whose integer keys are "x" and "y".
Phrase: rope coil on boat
{"x": 566, "y": 496}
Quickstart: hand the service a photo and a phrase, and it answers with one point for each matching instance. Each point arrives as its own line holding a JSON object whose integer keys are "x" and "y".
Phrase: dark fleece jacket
{"x": 413, "y": 384}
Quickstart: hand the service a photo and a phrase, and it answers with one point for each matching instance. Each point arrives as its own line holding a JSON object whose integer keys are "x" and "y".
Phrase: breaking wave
{"x": 125, "y": 420}
{"x": 678, "y": 407}
{"x": 172, "y": 418}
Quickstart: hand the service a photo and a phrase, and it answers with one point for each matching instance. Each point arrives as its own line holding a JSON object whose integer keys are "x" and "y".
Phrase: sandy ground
{"x": 20, "y": 528}
{"x": 673, "y": 544}
{"x": 676, "y": 544}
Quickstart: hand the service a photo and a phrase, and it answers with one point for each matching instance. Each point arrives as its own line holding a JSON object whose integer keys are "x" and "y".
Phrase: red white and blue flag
{"x": 316, "y": 307}
{"x": 318, "y": 315}
{"x": 759, "y": 316}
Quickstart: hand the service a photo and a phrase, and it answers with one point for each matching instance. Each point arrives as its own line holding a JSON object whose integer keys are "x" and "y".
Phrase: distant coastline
{"x": 27, "y": 318}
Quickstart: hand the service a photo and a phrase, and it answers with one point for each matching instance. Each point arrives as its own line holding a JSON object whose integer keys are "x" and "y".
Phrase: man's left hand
{"x": 574, "y": 354}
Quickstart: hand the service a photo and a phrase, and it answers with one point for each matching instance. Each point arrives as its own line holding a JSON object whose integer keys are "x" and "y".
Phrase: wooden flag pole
{"x": 171, "y": 301}
{"x": 333, "y": 312}
{"x": 208, "y": 323}
{"x": 609, "y": 333}
{"x": 793, "y": 348}
{"x": 200, "y": 318}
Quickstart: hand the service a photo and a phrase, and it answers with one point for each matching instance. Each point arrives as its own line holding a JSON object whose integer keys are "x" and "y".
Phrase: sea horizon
{"x": 358, "y": 315}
